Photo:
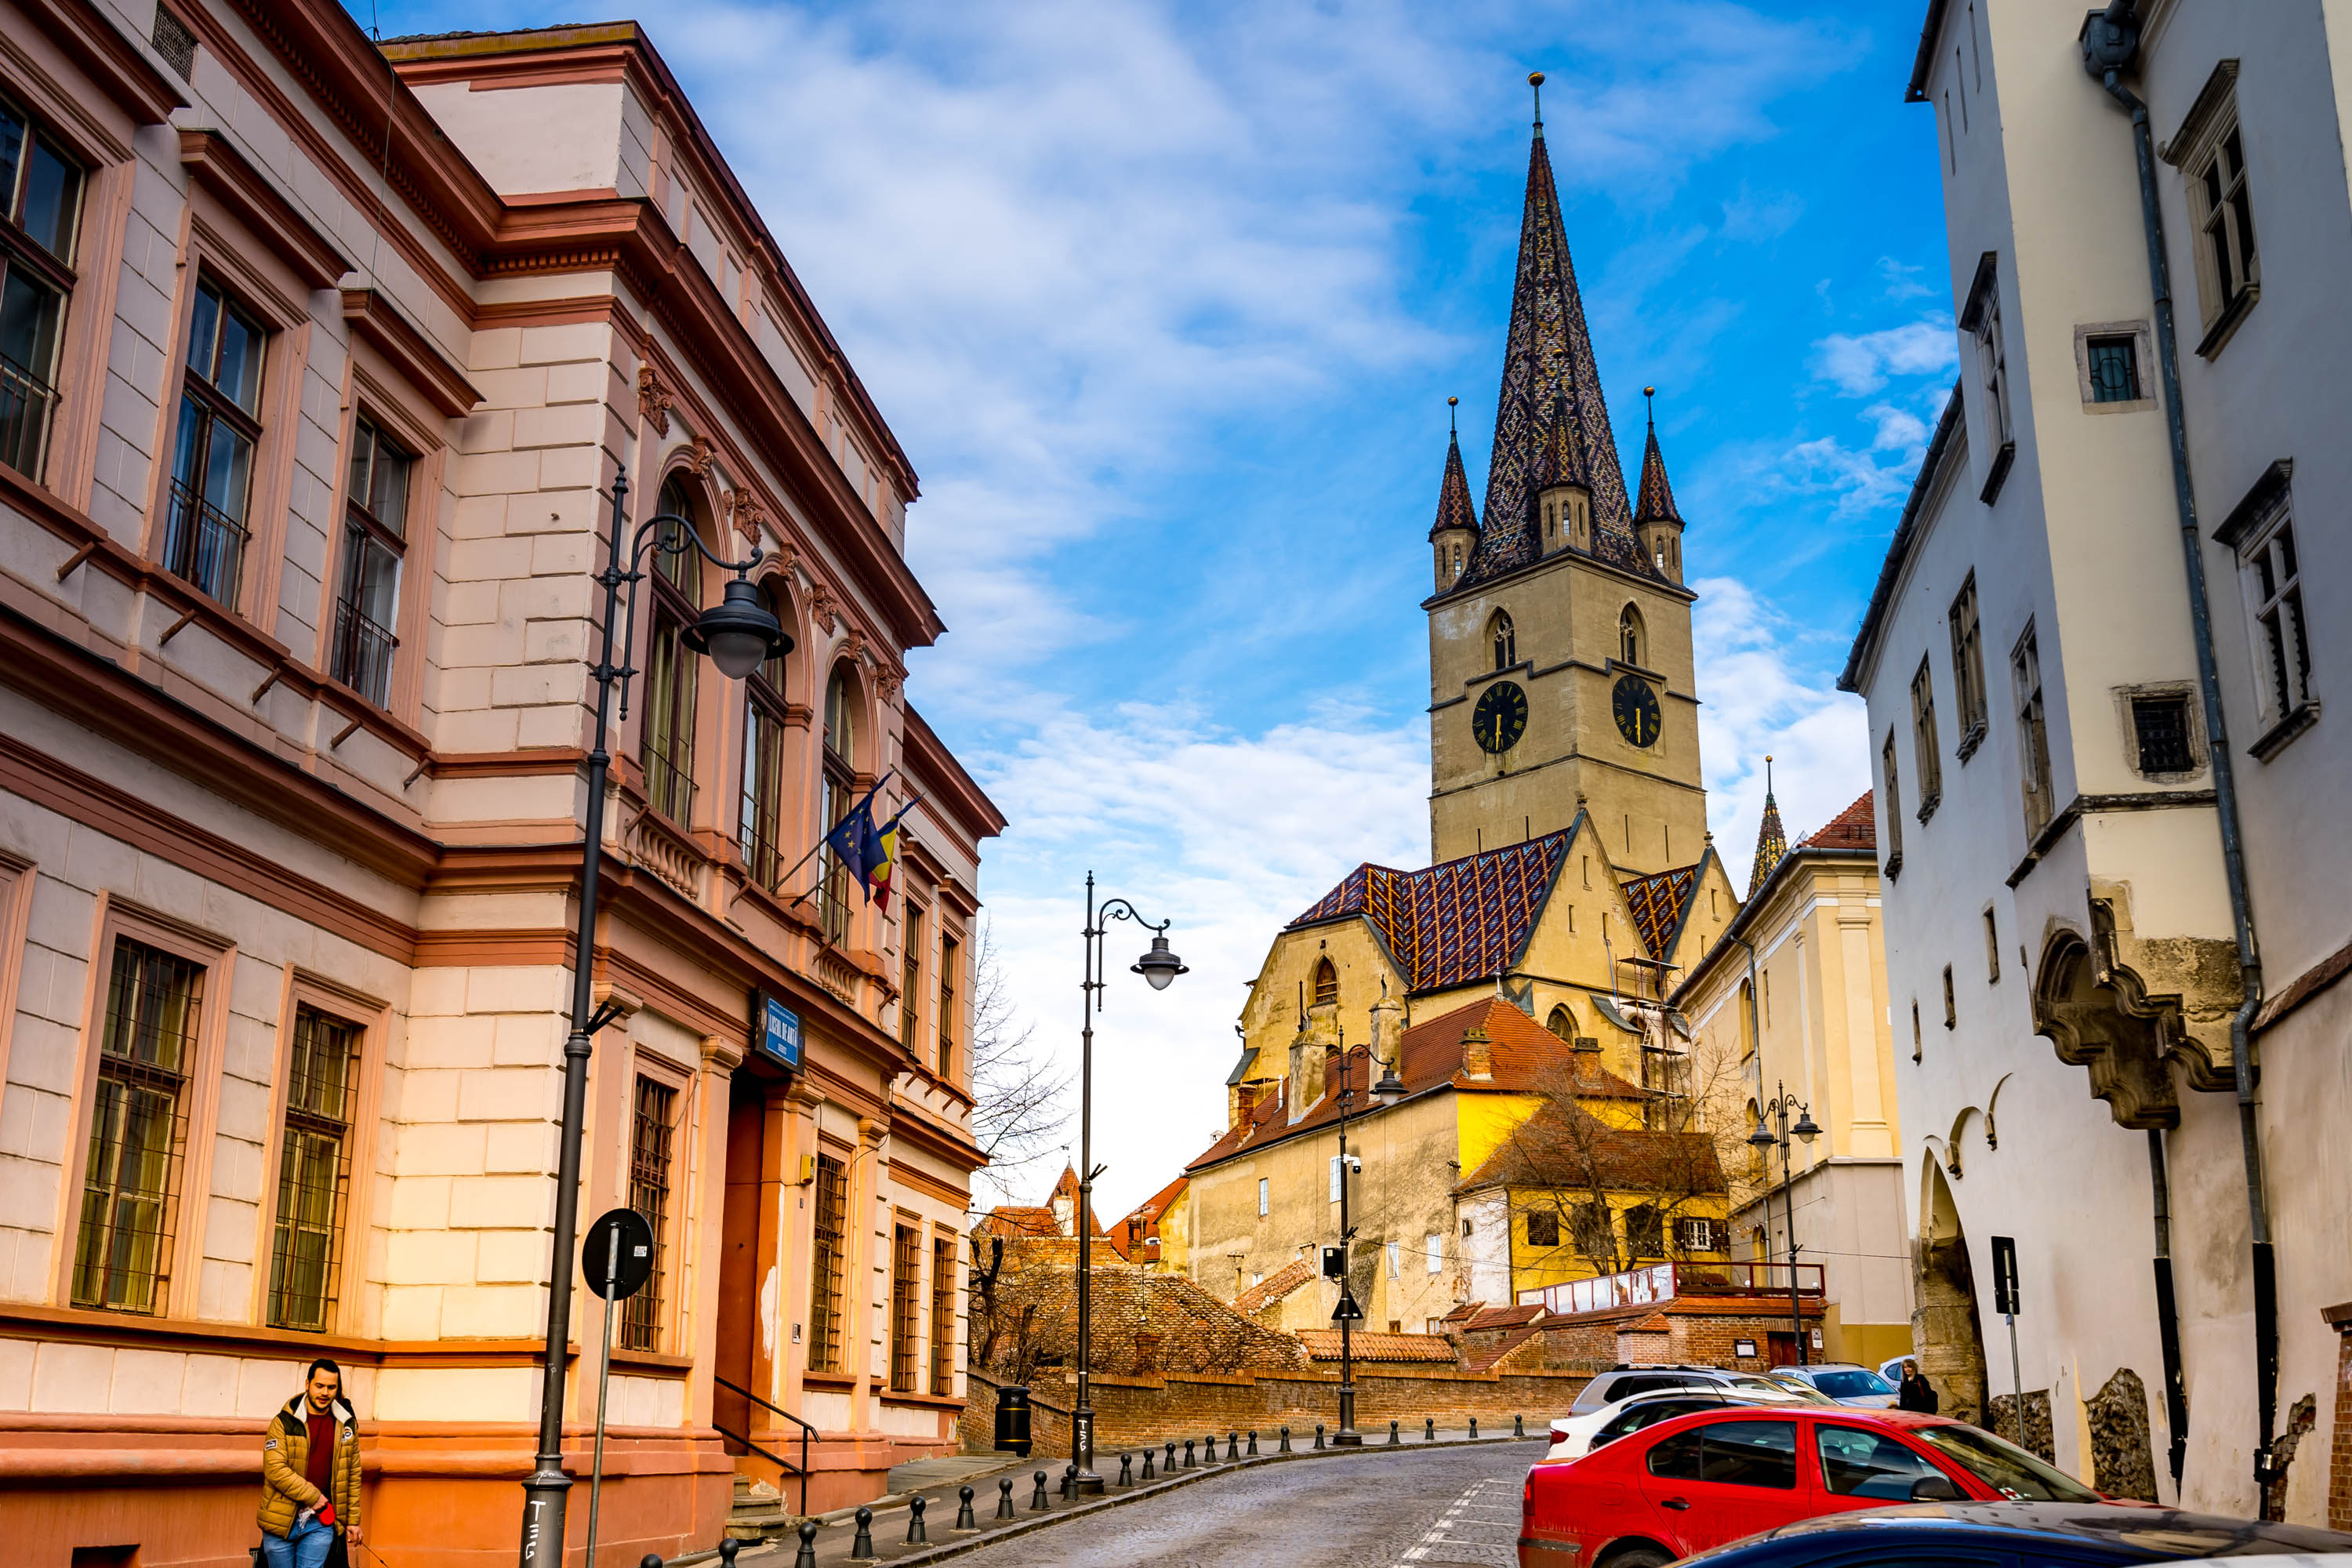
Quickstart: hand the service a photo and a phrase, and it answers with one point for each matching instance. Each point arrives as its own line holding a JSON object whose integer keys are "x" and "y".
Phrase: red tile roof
{"x": 1504, "y": 1318}
{"x": 1274, "y": 1288}
{"x": 1856, "y": 828}
{"x": 1323, "y": 1344}
{"x": 1019, "y": 1219}
{"x": 1468, "y": 1309}
{"x": 1455, "y": 921}
{"x": 1525, "y": 1058}
{"x": 1137, "y": 1235}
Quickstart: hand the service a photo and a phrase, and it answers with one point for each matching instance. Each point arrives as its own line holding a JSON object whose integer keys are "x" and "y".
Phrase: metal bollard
{"x": 1393, "y": 1438}
{"x": 1187, "y": 1454}
{"x": 1170, "y": 1467}
{"x": 1038, "y": 1501}
{"x": 727, "y": 1550}
{"x": 1318, "y": 1434}
{"x": 1146, "y": 1466}
{"x": 1127, "y": 1469}
{"x": 1253, "y": 1446}
{"x": 1473, "y": 1428}
{"x": 807, "y": 1556}
{"x": 1070, "y": 1482}
{"x": 964, "y": 1519}
{"x": 1429, "y": 1428}
{"x": 1518, "y": 1426}
{"x": 1209, "y": 1449}
{"x": 1285, "y": 1441}
{"x": 1233, "y": 1445}
{"x": 861, "y": 1550}
{"x": 1005, "y": 1509}
{"x": 916, "y": 1534}
{"x": 650, "y": 1560}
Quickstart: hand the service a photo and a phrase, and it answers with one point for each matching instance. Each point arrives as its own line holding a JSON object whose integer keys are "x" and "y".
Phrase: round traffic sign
{"x": 617, "y": 1259}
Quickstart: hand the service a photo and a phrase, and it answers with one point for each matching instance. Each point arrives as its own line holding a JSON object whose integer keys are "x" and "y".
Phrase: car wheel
{"x": 1639, "y": 1557}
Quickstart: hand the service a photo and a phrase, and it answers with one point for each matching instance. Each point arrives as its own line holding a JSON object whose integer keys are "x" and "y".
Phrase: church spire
{"x": 1657, "y": 500}
{"x": 1454, "y": 508}
{"x": 1771, "y": 838}
{"x": 1548, "y": 358}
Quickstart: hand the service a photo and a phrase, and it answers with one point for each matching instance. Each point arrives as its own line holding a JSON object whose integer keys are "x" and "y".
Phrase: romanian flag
{"x": 881, "y": 856}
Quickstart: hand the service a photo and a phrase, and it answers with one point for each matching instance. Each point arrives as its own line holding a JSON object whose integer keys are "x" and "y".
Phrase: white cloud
{"x": 1902, "y": 280}
{"x": 1858, "y": 364}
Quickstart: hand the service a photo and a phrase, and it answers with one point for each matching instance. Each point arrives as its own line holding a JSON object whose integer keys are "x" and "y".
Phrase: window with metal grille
{"x": 2033, "y": 733}
{"x": 2273, "y": 583}
{"x": 911, "y": 993}
{"x": 40, "y": 213}
{"x": 1923, "y": 744}
{"x": 1967, "y": 665}
{"x": 2114, "y": 369}
{"x": 943, "y": 1316}
{"x": 825, "y": 1239}
{"x": 138, "y": 1128}
{"x": 2160, "y": 729}
{"x": 905, "y": 1308}
{"x": 667, "y": 748}
{"x": 375, "y": 536}
{"x": 652, "y": 1128}
{"x": 760, "y": 818}
{"x": 1543, "y": 1228}
{"x": 313, "y": 1171}
{"x": 950, "y": 1022}
{"x": 205, "y": 534}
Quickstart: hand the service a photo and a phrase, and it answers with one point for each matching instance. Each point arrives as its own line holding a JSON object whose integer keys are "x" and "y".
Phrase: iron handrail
{"x": 807, "y": 1431}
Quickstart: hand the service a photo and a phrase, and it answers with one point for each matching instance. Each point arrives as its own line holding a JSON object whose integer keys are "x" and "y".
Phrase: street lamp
{"x": 1159, "y": 966}
{"x": 739, "y": 635}
{"x": 1776, "y": 1113}
{"x": 1349, "y": 1311}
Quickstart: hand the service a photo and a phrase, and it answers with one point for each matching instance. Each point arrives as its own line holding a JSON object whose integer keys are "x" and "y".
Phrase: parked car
{"x": 1891, "y": 1369}
{"x": 1624, "y": 1382}
{"x": 1573, "y": 1437}
{"x": 2054, "y": 1535}
{"x": 1699, "y": 1481}
{"x": 1844, "y": 1381}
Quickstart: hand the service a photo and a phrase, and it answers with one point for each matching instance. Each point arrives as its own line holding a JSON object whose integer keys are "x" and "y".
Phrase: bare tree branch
{"x": 1020, "y": 1096}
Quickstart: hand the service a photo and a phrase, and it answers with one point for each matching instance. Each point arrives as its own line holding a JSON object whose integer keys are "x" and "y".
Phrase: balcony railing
{"x": 1662, "y": 1282}
{"x": 25, "y": 404}
{"x": 202, "y": 544}
{"x": 363, "y": 653}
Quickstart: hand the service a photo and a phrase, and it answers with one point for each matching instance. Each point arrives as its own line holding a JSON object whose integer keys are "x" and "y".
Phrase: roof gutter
{"x": 2110, "y": 43}
{"x": 1898, "y": 549}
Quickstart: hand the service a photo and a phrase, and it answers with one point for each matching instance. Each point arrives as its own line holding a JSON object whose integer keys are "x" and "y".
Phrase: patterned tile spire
{"x": 1454, "y": 490}
{"x": 1771, "y": 838}
{"x": 1547, "y": 359}
{"x": 1658, "y": 499}
{"x": 1560, "y": 450}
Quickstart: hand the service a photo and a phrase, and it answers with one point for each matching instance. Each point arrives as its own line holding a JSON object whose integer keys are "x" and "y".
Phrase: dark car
{"x": 2017, "y": 1535}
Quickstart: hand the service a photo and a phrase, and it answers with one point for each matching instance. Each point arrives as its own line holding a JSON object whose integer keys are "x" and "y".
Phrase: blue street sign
{"x": 778, "y": 1029}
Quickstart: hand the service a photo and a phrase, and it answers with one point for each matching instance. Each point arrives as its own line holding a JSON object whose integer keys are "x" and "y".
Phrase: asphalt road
{"x": 1373, "y": 1510}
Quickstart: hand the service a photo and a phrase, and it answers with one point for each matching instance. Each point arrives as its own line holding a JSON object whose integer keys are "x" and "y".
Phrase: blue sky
{"x": 1165, "y": 303}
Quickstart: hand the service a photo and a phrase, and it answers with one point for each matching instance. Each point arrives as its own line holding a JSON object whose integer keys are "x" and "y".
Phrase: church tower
{"x": 1559, "y": 635}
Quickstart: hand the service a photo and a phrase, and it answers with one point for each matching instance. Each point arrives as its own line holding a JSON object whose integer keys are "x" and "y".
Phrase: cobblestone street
{"x": 1380, "y": 1511}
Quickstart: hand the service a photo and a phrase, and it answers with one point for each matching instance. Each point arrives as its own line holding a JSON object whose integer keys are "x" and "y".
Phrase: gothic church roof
{"x": 1771, "y": 843}
{"x": 1657, "y": 903}
{"x": 1454, "y": 495}
{"x": 1658, "y": 499}
{"x": 1455, "y": 921}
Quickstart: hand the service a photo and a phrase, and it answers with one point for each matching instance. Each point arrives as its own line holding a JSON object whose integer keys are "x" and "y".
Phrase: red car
{"x": 1701, "y": 1480}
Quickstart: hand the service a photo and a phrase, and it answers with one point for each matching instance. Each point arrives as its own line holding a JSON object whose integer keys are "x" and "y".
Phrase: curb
{"x": 973, "y": 1542}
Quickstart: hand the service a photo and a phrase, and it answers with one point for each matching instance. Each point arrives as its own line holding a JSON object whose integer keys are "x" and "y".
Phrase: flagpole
{"x": 827, "y": 836}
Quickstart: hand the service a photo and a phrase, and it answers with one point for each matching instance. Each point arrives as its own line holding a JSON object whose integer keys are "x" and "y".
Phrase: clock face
{"x": 1501, "y": 717}
{"x": 1636, "y": 709}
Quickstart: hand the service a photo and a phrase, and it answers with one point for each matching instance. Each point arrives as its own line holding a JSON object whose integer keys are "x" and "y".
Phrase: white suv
{"x": 1625, "y": 1382}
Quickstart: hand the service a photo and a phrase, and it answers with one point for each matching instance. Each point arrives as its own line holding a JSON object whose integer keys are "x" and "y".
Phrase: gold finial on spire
{"x": 1536, "y": 80}
{"x": 1451, "y": 429}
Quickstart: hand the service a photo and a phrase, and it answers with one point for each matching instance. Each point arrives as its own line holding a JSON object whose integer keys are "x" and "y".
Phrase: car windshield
{"x": 1750, "y": 1382}
{"x": 2004, "y": 1467}
{"x": 1853, "y": 1384}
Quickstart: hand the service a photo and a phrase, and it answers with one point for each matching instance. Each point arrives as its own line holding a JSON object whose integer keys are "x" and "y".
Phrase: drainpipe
{"x": 2110, "y": 42}
{"x": 2167, "y": 1315}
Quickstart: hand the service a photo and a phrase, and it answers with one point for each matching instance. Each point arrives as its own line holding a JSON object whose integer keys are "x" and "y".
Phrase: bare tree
{"x": 1020, "y": 1097}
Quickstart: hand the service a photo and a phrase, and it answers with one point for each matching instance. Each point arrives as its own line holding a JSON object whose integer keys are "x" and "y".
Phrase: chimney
{"x": 1477, "y": 1055}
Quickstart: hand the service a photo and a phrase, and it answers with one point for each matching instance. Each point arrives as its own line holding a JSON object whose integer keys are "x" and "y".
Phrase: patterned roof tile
{"x": 1657, "y": 902}
{"x": 1455, "y": 921}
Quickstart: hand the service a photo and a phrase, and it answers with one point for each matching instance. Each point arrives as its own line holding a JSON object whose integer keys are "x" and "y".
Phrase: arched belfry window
{"x": 763, "y": 761}
{"x": 840, "y": 782}
{"x": 1561, "y": 1023}
{"x": 1629, "y": 636}
{"x": 1327, "y": 984}
{"x": 668, "y": 752}
{"x": 1506, "y": 639}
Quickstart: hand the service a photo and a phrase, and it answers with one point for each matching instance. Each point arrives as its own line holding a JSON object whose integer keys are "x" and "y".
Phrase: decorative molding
{"x": 114, "y": 64}
{"x": 853, "y": 647}
{"x": 256, "y": 203}
{"x": 376, "y": 323}
{"x": 653, "y": 400}
{"x": 2263, "y": 500}
{"x": 699, "y": 456}
{"x": 744, "y": 511}
{"x": 822, "y": 608}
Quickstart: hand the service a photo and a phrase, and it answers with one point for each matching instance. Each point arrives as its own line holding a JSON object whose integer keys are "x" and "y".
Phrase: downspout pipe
{"x": 2110, "y": 42}
{"x": 2167, "y": 1312}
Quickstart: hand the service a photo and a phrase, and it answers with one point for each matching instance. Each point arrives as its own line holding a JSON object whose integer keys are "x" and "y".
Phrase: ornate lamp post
{"x": 1159, "y": 966}
{"x": 739, "y": 635}
{"x": 1776, "y": 1115}
{"x": 1388, "y": 1092}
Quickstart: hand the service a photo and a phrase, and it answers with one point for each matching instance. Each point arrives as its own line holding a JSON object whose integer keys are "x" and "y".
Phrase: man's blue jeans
{"x": 306, "y": 1547}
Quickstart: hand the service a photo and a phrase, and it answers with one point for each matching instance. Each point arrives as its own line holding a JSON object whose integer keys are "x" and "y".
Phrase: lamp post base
{"x": 1347, "y": 1436}
{"x": 1088, "y": 1484}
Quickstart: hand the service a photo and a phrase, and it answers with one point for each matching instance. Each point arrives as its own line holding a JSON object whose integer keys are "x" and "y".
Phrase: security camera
{"x": 1355, "y": 1165}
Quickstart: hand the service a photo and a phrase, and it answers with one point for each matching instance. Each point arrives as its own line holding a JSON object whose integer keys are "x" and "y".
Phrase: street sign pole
{"x": 2004, "y": 1301}
{"x": 2016, "y": 1378}
{"x": 604, "y": 1382}
{"x": 616, "y": 1260}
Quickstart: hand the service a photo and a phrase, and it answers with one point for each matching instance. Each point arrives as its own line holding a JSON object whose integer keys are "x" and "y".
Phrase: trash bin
{"x": 1013, "y": 1420}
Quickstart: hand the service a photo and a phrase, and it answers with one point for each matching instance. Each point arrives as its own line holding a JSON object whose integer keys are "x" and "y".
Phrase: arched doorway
{"x": 1944, "y": 1332}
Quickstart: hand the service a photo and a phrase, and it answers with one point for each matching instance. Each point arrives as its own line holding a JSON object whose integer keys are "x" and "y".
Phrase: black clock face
{"x": 1501, "y": 717}
{"x": 1636, "y": 709}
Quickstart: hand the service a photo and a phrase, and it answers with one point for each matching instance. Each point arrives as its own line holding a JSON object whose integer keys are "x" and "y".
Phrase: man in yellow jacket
{"x": 310, "y": 1473}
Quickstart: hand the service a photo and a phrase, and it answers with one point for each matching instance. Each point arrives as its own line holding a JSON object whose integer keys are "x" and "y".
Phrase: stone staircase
{"x": 757, "y": 1512}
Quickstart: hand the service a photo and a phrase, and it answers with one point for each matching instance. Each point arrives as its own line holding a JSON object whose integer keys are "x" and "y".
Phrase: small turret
{"x": 1655, "y": 522}
{"x": 1454, "y": 538}
{"x": 1562, "y": 483}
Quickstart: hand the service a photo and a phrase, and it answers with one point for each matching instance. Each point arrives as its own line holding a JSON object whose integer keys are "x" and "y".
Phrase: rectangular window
{"x": 2033, "y": 733}
{"x": 1993, "y": 367}
{"x": 1395, "y": 1257}
{"x": 2227, "y": 266}
{"x": 314, "y": 1171}
{"x": 1645, "y": 1231}
{"x": 766, "y": 716}
{"x": 1968, "y": 667}
{"x": 2273, "y": 585}
{"x": 1992, "y": 950}
{"x": 138, "y": 1128}
{"x": 1695, "y": 1233}
{"x": 1919, "y": 1043}
{"x": 1436, "y": 1253}
{"x": 943, "y": 1316}
{"x": 1924, "y": 747}
{"x": 910, "y": 980}
{"x": 212, "y": 455}
{"x": 1892, "y": 781}
{"x": 1594, "y": 1237}
{"x": 906, "y": 1309}
{"x": 2161, "y": 734}
{"x": 2114, "y": 368}
{"x": 950, "y": 1021}
{"x": 1335, "y": 1178}
{"x": 826, "y": 1235}
{"x": 40, "y": 211}
{"x": 375, "y": 529}
{"x": 652, "y": 1127}
{"x": 672, "y": 669}
{"x": 1543, "y": 1228}
{"x": 1951, "y": 1008}
{"x": 1262, "y": 1197}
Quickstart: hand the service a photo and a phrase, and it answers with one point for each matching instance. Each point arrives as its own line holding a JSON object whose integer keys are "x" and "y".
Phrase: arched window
{"x": 667, "y": 752}
{"x": 840, "y": 782}
{"x": 763, "y": 761}
{"x": 1562, "y": 1023}
{"x": 1327, "y": 984}
{"x": 1506, "y": 639}
{"x": 1629, "y": 636}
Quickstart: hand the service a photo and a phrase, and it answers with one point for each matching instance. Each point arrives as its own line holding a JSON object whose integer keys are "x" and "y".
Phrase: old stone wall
{"x": 2001, "y": 1419}
{"x": 2123, "y": 1461}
